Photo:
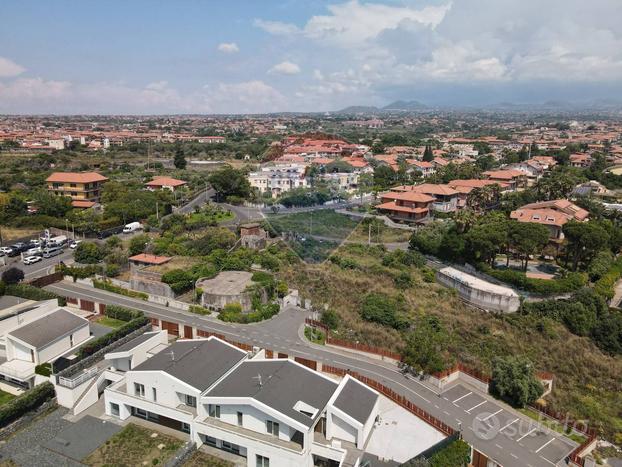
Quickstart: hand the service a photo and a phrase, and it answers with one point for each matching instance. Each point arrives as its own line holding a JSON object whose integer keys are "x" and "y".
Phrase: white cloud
{"x": 228, "y": 47}
{"x": 245, "y": 97}
{"x": 9, "y": 68}
{"x": 285, "y": 68}
{"x": 276, "y": 27}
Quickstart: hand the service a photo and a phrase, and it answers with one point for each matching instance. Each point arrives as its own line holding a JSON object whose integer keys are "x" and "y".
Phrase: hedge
{"x": 263, "y": 312}
{"x": 93, "y": 346}
{"x": 199, "y": 310}
{"x": 80, "y": 272}
{"x": 44, "y": 369}
{"x": 569, "y": 283}
{"x": 605, "y": 286}
{"x": 26, "y": 402}
{"x": 122, "y": 313}
{"x": 110, "y": 287}
{"x": 33, "y": 293}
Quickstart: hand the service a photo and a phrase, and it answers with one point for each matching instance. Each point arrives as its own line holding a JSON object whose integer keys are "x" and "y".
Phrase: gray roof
{"x": 131, "y": 344}
{"x": 199, "y": 363}
{"x": 284, "y": 383}
{"x": 49, "y": 328}
{"x": 356, "y": 400}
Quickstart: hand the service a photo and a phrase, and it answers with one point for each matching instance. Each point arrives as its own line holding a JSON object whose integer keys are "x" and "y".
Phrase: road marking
{"x": 514, "y": 456}
{"x": 511, "y": 423}
{"x": 552, "y": 463}
{"x": 462, "y": 397}
{"x": 544, "y": 445}
{"x": 490, "y": 416}
{"x": 476, "y": 406}
{"x": 445, "y": 412}
{"x": 500, "y": 447}
{"x": 436, "y": 406}
{"x": 526, "y": 434}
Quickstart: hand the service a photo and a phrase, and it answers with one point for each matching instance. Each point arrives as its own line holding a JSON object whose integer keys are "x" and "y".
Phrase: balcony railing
{"x": 76, "y": 381}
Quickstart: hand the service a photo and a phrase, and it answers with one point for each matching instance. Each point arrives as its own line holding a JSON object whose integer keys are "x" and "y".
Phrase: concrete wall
{"x": 18, "y": 351}
{"x": 337, "y": 427}
{"x": 151, "y": 287}
{"x": 63, "y": 345}
{"x": 215, "y": 301}
{"x": 169, "y": 390}
{"x": 478, "y": 297}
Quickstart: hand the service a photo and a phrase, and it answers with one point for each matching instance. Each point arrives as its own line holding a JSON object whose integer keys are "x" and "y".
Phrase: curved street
{"x": 493, "y": 428}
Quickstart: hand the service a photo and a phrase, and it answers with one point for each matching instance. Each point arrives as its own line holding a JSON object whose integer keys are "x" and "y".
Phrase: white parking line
{"x": 511, "y": 423}
{"x": 475, "y": 406}
{"x": 490, "y": 416}
{"x": 544, "y": 445}
{"x": 526, "y": 434}
{"x": 462, "y": 397}
{"x": 552, "y": 463}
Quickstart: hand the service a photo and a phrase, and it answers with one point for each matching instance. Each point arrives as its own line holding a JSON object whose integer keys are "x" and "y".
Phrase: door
{"x": 188, "y": 332}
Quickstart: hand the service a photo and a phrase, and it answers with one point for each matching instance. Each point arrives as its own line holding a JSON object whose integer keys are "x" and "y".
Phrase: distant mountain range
{"x": 397, "y": 106}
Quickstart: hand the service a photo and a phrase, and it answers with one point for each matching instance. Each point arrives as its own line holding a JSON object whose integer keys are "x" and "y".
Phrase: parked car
{"x": 36, "y": 251}
{"x": 6, "y": 250}
{"x": 34, "y": 242}
{"x": 49, "y": 252}
{"x": 73, "y": 245}
{"x": 31, "y": 259}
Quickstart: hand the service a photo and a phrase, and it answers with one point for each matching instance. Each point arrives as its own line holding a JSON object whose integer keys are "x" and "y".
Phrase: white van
{"x": 132, "y": 227}
{"x": 57, "y": 241}
{"x": 49, "y": 252}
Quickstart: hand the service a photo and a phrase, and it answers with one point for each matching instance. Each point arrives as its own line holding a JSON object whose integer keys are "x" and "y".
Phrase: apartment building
{"x": 79, "y": 186}
{"x": 278, "y": 179}
{"x": 269, "y": 412}
{"x": 445, "y": 197}
{"x": 515, "y": 179}
{"x": 406, "y": 206}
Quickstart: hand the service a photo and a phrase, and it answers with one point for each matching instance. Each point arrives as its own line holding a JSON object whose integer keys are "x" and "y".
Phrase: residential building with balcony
{"x": 81, "y": 187}
{"x": 278, "y": 179}
{"x": 268, "y": 412}
{"x": 445, "y": 197}
{"x": 515, "y": 179}
{"x": 554, "y": 214}
{"x": 406, "y": 206}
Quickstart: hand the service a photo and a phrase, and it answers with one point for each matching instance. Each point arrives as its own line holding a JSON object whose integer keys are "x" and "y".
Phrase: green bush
{"x": 330, "y": 319}
{"x": 108, "y": 286}
{"x": 45, "y": 369}
{"x": 232, "y": 313}
{"x": 570, "y": 282}
{"x": 455, "y": 454}
{"x": 199, "y": 310}
{"x": 97, "y": 344}
{"x": 383, "y": 309}
{"x": 606, "y": 284}
{"x": 80, "y": 272}
{"x": 25, "y": 403}
{"x": 33, "y": 293}
{"x": 113, "y": 270}
{"x": 180, "y": 280}
{"x": 122, "y": 313}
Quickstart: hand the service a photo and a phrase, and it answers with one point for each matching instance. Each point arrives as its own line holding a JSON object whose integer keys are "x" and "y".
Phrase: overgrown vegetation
{"x": 26, "y": 402}
{"x": 110, "y": 287}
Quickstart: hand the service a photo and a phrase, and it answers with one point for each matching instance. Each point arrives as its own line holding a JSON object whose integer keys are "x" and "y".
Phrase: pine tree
{"x": 180, "y": 160}
{"x": 428, "y": 155}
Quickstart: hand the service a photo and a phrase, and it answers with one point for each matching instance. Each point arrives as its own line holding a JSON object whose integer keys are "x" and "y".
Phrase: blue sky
{"x": 191, "y": 56}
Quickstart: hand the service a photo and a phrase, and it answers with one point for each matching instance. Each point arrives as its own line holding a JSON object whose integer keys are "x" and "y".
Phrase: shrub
{"x": 330, "y": 319}
{"x": 199, "y": 310}
{"x": 233, "y": 313}
{"x": 110, "y": 287}
{"x": 77, "y": 272}
{"x": 122, "y": 313}
{"x": 97, "y": 344}
{"x": 113, "y": 270}
{"x": 89, "y": 253}
{"x": 45, "y": 369}
{"x": 605, "y": 285}
{"x": 33, "y": 293}
{"x": 403, "y": 280}
{"x": 514, "y": 381}
{"x": 455, "y": 454}
{"x": 180, "y": 280}
{"x": 12, "y": 276}
{"x": 26, "y": 402}
{"x": 568, "y": 283}
{"x": 383, "y": 309}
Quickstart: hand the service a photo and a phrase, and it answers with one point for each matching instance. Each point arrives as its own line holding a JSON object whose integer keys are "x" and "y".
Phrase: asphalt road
{"x": 493, "y": 428}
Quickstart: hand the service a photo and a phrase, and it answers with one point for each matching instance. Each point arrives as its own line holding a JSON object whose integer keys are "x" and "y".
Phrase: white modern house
{"x": 41, "y": 341}
{"x": 270, "y": 412}
{"x": 278, "y": 179}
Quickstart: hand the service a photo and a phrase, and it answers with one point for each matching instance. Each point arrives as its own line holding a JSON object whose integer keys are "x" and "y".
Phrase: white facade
{"x": 278, "y": 180}
{"x": 245, "y": 425}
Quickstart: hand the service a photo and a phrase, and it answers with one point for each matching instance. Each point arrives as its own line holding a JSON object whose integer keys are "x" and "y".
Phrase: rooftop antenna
{"x": 258, "y": 378}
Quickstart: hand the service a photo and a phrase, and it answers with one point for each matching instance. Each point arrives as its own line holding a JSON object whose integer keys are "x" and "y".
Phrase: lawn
{"x": 110, "y": 322}
{"x": 315, "y": 335}
{"x": 552, "y": 424}
{"x": 134, "y": 445}
{"x": 5, "y": 397}
{"x": 202, "y": 459}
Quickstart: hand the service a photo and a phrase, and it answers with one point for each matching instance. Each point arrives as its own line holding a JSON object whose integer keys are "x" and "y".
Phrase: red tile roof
{"x": 76, "y": 177}
{"x": 83, "y": 204}
{"x": 391, "y": 206}
{"x": 165, "y": 181}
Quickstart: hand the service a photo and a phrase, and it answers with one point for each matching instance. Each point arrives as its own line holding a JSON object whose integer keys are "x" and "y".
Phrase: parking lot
{"x": 491, "y": 420}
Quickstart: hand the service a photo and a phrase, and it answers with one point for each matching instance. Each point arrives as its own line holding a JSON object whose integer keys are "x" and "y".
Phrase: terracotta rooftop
{"x": 541, "y": 216}
{"x": 561, "y": 205}
{"x": 165, "y": 181}
{"x": 82, "y": 204}
{"x": 145, "y": 258}
{"x": 408, "y": 196}
{"x": 76, "y": 177}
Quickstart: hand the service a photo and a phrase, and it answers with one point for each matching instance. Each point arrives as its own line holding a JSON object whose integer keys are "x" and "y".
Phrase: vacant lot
{"x": 323, "y": 223}
{"x": 13, "y": 233}
{"x": 202, "y": 459}
{"x": 587, "y": 381}
{"x": 133, "y": 446}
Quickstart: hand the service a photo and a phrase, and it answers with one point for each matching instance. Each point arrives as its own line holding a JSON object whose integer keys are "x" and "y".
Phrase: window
{"x": 114, "y": 409}
{"x": 213, "y": 410}
{"x": 261, "y": 461}
{"x": 227, "y": 446}
{"x": 240, "y": 418}
{"x": 191, "y": 401}
{"x": 154, "y": 393}
{"x": 272, "y": 427}
{"x": 210, "y": 440}
{"x": 185, "y": 427}
{"x": 70, "y": 340}
{"x": 139, "y": 390}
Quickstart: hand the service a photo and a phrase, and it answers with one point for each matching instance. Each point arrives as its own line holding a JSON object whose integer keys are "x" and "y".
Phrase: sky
{"x": 256, "y": 56}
